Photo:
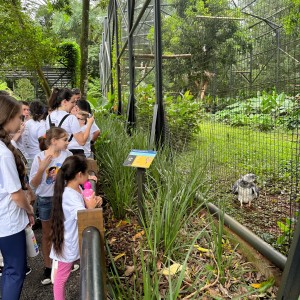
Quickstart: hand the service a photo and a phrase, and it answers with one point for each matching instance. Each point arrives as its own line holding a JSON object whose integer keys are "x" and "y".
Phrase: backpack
{"x": 59, "y": 125}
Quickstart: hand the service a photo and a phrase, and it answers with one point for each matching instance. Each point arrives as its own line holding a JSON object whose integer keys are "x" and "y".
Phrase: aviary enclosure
{"x": 238, "y": 63}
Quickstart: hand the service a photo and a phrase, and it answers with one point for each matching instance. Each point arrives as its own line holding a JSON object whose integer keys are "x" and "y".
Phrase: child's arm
{"x": 43, "y": 164}
{"x": 30, "y": 194}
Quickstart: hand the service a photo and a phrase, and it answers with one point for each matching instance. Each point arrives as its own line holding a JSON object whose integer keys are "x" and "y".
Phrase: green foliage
{"x": 4, "y": 87}
{"x": 233, "y": 151}
{"x": 264, "y": 112}
{"x": 22, "y": 42}
{"x": 287, "y": 229}
{"x": 94, "y": 94}
{"x": 112, "y": 148}
{"x": 183, "y": 118}
{"x": 291, "y": 21}
{"x": 211, "y": 42}
{"x": 66, "y": 24}
{"x": 182, "y": 114}
{"x": 170, "y": 194}
{"x": 24, "y": 89}
{"x": 69, "y": 56}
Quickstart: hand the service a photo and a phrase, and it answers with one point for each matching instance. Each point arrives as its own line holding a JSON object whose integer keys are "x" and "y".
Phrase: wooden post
{"x": 92, "y": 165}
{"x": 93, "y": 274}
{"x": 90, "y": 217}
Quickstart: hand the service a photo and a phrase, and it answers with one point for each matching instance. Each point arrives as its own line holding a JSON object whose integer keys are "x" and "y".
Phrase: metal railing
{"x": 91, "y": 243}
{"x": 92, "y": 277}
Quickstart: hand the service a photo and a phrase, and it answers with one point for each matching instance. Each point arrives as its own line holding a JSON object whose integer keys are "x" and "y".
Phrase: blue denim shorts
{"x": 44, "y": 205}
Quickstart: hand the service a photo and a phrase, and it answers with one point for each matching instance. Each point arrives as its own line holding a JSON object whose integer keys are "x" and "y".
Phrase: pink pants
{"x": 62, "y": 275}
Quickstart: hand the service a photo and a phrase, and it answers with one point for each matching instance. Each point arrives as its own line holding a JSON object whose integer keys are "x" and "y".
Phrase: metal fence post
{"x": 290, "y": 283}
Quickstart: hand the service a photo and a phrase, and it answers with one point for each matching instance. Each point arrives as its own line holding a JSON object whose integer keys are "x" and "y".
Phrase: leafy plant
{"x": 264, "y": 112}
{"x": 69, "y": 56}
{"x": 94, "y": 95}
{"x": 24, "y": 89}
{"x": 113, "y": 147}
{"x": 170, "y": 194}
{"x": 287, "y": 229}
{"x": 183, "y": 114}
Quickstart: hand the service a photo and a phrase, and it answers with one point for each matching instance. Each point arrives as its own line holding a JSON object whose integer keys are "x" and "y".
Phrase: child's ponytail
{"x": 57, "y": 224}
{"x": 68, "y": 171}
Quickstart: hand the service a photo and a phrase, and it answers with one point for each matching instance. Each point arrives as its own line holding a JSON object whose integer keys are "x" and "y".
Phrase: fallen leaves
{"x": 201, "y": 280}
{"x": 138, "y": 235}
{"x": 129, "y": 270}
{"x": 256, "y": 285}
{"x": 172, "y": 270}
{"x": 119, "y": 256}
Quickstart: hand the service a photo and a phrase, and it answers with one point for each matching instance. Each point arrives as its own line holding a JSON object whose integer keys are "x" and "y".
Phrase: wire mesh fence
{"x": 230, "y": 84}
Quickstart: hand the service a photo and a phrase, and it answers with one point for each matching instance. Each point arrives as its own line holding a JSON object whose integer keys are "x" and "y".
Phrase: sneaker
{"x": 47, "y": 276}
{"x": 28, "y": 270}
{"x": 75, "y": 268}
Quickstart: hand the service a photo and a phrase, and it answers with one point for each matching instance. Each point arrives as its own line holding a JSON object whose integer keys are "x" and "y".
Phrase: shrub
{"x": 69, "y": 56}
{"x": 183, "y": 114}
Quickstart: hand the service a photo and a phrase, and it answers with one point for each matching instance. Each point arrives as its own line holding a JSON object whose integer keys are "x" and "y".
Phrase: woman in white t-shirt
{"x": 61, "y": 102}
{"x": 84, "y": 107}
{"x": 67, "y": 200}
{"x": 15, "y": 210}
{"x": 82, "y": 118}
{"x": 34, "y": 129}
{"x": 42, "y": 177}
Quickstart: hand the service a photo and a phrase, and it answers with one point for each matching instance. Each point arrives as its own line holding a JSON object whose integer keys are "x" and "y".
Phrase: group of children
{"x": 56, "y": 146}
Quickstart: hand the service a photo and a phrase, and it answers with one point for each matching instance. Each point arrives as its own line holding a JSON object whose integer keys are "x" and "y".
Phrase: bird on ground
{"x": 246, "y": 189}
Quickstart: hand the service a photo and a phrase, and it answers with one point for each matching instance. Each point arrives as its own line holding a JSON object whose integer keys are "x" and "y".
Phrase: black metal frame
{"x": 55, "y": 76}
{"x": 290, "y": 287}
{"x": 111, "y": 41}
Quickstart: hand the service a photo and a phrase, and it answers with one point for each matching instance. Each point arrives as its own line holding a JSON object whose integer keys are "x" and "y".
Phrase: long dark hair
{"x": 37, "y": 110}
{"x": 71, "y": 166}
{"x": 10, "y": 107}
{"x": 57, "y": 96}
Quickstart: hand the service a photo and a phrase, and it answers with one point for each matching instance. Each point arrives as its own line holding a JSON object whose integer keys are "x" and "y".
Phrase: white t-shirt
{"x": 19, "y": 145}
{"x": 13, "y": 219}
{"x": 46, "y": 187}
{"x": 72, "y": 201}
{"x": 33, "y": 130}
{"x": 87, "y": 147}
{"x": 70, "y": 124}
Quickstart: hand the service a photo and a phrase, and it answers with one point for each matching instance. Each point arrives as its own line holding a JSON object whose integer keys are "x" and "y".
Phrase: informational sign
{"x": 140, "y": 158}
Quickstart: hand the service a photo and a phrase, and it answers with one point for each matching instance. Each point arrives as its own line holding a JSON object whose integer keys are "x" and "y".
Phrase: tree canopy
{"x": 22, "y": 42}
{"x": 208, "y": 30}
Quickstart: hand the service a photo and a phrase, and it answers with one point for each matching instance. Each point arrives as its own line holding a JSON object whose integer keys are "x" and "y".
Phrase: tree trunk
{"x": 207, "y": 76}
{"x": 84, "y": 48}
{"x": 44, "y": 82}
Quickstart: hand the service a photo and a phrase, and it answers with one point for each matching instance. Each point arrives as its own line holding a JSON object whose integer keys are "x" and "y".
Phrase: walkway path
{"x": 34, "y": 290}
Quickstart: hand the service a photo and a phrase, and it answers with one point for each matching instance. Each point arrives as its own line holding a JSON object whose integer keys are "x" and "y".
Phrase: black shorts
{"x": 77, "y": 152}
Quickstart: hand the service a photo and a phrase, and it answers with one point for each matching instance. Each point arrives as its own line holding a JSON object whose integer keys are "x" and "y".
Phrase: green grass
{"x": 232, "y": 152}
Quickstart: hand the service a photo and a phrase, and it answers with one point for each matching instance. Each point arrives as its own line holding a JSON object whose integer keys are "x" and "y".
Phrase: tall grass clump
{"x": 113, "y": 147}
{"x": 170, "y": 199}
